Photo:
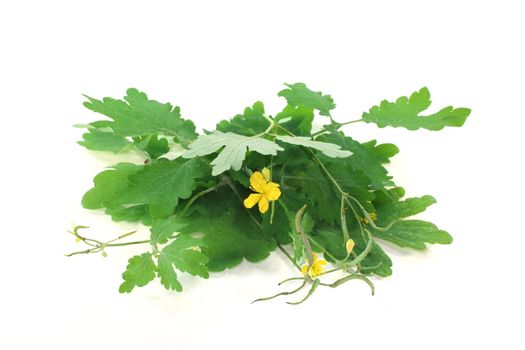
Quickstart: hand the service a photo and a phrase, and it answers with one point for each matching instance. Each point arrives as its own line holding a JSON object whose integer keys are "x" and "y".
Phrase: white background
{"x": 213, "y": 58}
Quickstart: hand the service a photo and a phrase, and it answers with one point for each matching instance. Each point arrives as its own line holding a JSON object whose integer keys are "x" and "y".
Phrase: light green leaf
{"x": 405, "y": 112}
{"x": 299, "y": 95}
{"x": 139, "y": 272}
{"x": 183, "y": 254}
{"x": 234, "y": 148}
{"x": 329, "y": 149}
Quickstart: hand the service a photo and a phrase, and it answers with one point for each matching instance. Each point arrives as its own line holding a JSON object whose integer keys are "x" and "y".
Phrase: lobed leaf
{"x": 329, "y": 149}
{"x": 183, "y": 254}
{"x": 139, "y": 272}
{"x": 299, "y": 95}
{"x": 406, "y": 113}
{"x": 234, "y": 148}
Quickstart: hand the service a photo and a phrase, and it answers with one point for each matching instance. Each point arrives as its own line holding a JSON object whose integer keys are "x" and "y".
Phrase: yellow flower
{"x": 316, "y": 269}
{"x": 373, "y": 216}
{"x": 267, "y": 191}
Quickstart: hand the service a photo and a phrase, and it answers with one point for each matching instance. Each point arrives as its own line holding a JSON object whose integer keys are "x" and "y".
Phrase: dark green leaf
{"x": 230, "y": 234}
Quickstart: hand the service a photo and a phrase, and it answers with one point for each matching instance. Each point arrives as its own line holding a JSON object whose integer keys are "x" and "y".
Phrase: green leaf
{"x": 363, "y": 159}
{"x": 108, "y": 185}
{"x": 329, "y": 149}
{"x": 297, "y": 120}
{"x": 406, "y": 113}
{"x": 279, "y": 228}
{"x": 132, "y": 214}
{"x": 153, "y": 145}
{"x": 163, "y": 229}
{"x": 234, "y": 148}
{"x": 383, "y": 152}
{"x": 162, "y": 184}
{"x": 377, "y": 261}
{"x": 299, "y": 95}
{"x": 322, "y": 195}
{"x": 139, "y": 272}
{"x": 331, "y": 239}
{"x": 97, "y": 140}
{"x": 251, "y": 122}
{"x": 138, "y": 116}
{"x": 414, "y": 234}
{"x": 183, "y": 254}
{"x": 390, "y": 208}
{"x": 230, "y": 233}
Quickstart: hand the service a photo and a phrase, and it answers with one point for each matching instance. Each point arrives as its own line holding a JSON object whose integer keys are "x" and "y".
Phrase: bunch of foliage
{"x": 255, "y": 184}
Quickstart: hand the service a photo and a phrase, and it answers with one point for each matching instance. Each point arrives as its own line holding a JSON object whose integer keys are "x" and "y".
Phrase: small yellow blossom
{"x": 267, "y": 191}
{"x": 316, "y": 269}
{"x": 373, "y": 216}
{"x": 350, "y": 244}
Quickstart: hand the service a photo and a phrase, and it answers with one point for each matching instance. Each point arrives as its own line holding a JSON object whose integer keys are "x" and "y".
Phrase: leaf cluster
{"x": 334, "y": 187}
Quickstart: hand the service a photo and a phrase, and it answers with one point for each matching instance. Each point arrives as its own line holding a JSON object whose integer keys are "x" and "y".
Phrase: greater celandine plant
{"x": 255, "y": 184}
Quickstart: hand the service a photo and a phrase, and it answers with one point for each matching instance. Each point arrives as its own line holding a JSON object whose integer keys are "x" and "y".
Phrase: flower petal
{"x": 257, "y": 182}
{"x": 252, "y": 199}
{"x": 263, "y": 204}
{"x": 304, "y": 270}
{"x": 266, "y": 173}
{"x": 272, "y": 191}
{"x": 321, "y": 262}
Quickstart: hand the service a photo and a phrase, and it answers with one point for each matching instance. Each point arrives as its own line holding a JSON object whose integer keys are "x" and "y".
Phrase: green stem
{"x": 344, "y": 228}
{"x": 349, "y": 278}
{"x": 323, "y": 250}
{"x": 304, "y": 237}
{"x": 291, "y": 279}
{"x": 282, "y": 293}
{"x": 338, "y": 125}
{"x": 100, "y": 246}
{"x": 285, "y": 252}
{"x": 310, "y": 292}
{"x": 200, "y": 194}
{"x": 364, "y": 253}
{"x": 269, "y": 129}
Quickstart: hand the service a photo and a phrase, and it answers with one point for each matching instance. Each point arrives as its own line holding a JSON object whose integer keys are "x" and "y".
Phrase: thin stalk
{"x": 315, "y": 284}
{"x": 282, "y": 293}
{"x": 344, "y": 228}
{"x": 349, "y": 278}
{"x": 304, "y": 237}
{"x": 200, "y": 194}
{"x": 338, "y": 125}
